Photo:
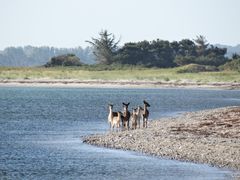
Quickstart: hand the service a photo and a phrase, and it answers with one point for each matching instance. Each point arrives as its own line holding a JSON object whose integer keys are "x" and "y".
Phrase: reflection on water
{"x": 41, "y": 129}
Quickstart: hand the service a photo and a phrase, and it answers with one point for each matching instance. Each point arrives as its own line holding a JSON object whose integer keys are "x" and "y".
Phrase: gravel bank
{"x": 117, "y": 83}
{"x": 210, "y": 136}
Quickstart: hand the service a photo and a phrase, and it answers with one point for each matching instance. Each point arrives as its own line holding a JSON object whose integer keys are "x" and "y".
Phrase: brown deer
{"x": 126, "y": 116}
{"x": 145, "y": 113}
{"x": 114, "y": 118}
{"x": 134, "y": 118}
{"x": 139, "y": 112}
{"x": 116, "y": 121}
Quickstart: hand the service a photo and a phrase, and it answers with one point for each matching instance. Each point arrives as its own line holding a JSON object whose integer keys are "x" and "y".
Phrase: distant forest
{"x": 38, "y": 56}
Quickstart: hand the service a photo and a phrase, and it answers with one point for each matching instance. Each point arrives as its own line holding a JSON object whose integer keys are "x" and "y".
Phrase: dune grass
{"x": 131, "y": 73}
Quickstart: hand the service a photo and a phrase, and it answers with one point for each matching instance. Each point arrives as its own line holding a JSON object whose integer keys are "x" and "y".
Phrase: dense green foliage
{"x": 64, "y": 60}
{"x": 164, "y": 54}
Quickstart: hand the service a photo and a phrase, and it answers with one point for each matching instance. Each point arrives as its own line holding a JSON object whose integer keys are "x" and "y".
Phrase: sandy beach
{"x": 116, "y": 83}
{"x": 209, "y": 136}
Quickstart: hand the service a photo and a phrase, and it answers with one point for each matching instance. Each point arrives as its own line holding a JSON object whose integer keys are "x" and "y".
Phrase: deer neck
{"x": 145, "y": 108}
{"x": 110, "y": 110}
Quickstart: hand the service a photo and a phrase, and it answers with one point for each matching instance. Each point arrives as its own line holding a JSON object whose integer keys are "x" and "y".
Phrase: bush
{"x": 195, "y": 68}
{"x": 64, "y": 60}
{"x": 233, "y": 65}
{"x": 210, "y": 60}
{"x": 184, "y": 60}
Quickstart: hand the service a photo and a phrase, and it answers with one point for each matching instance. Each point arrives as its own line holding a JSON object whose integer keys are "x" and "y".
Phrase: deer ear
{"x": 128, "y": 103}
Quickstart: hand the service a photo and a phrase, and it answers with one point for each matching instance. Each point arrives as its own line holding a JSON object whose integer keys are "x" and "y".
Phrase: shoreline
{"x": 208, "y": 137}
{"x": 117, "y": 84}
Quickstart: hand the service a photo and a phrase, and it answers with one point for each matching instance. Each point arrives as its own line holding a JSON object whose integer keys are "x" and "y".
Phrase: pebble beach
{"x": 210, "y": 136}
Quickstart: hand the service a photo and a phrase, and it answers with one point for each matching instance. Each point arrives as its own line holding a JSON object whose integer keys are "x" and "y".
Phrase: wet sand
{"x": 210, "y": 136}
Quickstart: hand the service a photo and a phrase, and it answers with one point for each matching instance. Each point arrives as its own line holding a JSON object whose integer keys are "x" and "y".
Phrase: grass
{"x": 126, "y": 73}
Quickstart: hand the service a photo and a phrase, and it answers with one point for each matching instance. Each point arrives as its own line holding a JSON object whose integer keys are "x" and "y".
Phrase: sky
{"x": 69, "y": 23}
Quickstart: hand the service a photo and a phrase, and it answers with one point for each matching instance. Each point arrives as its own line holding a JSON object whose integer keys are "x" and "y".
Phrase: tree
{"x": 235, "y": 56}
{"x": 201, "y": 45}
{"x": 187, "y": 48}
{"x": 133, "y": 53}
{"x": 105, "y": 47}
{"x": 163, "y": 54}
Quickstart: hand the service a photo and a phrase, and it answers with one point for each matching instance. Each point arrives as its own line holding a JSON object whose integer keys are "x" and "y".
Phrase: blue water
{"x": 41, "y": 129}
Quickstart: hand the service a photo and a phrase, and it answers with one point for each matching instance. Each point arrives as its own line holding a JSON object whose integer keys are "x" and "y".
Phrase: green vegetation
{"x": 64, "y": 60}
{"x": 157, "y": 60}
{"x": 126, "y": 73}
{"x": 196, "y": 68}
{"x": 233, "y": 65}
{"x": 157, "y": 53}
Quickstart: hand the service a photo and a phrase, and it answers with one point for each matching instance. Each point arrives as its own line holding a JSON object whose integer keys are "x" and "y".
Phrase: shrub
{"x": 233, "y": 65}
{"x": 195, "y": 68}
{"x": 184, "y": 60}
{"x": 64, "y": 60}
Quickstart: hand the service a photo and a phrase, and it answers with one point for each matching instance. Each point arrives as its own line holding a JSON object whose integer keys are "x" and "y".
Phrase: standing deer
{"x": 126, "y": 116}
{"x": 134, "y": 119}
{"x": 139, "y": 113}
{"x": 116, "y": 121}
{"x": 145, "y": 113}
{"x": 114, "y": 118}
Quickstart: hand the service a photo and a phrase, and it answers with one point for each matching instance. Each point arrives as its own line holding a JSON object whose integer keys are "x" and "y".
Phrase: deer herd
{"x": 125, "y": 119}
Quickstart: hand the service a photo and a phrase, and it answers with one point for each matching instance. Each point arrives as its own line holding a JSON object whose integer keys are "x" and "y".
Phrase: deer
{"x": 114, "y": 118}
{"x": 126, "y": 116}
{"x": 139, "y": 113}
{"x": 145, "y": 113}
{"x": 134, "y": 118}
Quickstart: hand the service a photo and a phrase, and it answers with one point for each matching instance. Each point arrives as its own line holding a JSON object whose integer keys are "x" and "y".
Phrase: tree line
{"x": 157, "y": 53}
{"x": 38, "y": 56}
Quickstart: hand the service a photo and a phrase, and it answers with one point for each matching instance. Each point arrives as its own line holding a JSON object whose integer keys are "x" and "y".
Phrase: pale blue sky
{"x": 68, "y": 23}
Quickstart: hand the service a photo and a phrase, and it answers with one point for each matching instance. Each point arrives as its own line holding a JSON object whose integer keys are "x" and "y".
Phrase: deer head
{"x": 146, "y": 103}
{"x": 125, "y": 106}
